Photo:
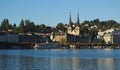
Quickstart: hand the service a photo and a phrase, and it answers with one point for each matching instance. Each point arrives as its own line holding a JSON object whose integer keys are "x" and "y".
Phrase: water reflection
{"x": 65, "y": 63}
{"x": 15, "y": 62}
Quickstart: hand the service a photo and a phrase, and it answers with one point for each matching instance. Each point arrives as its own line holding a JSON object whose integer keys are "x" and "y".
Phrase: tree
{"x": 111, "y": 24}
{"x": 85, "y": 23}
{"x": 14, "y": 25}
{"x": 29, "y": 26}
{"x": 5, "y": 25}
{"x": 10, "y": 26}
{"x": 61, "y": 26}
{"x": 22, "y": 26}
{"x": 42, "y": 26}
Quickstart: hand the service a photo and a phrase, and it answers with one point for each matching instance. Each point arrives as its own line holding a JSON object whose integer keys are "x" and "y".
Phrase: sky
{"x": 51, "y": 12}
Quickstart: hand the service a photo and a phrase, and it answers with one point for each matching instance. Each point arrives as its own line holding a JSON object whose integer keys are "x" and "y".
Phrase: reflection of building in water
{"x": 64, "y": 63}
{"x": 106, "y": 64}
{"x": 76, "y": 63}
{"x": 88, "y": 64}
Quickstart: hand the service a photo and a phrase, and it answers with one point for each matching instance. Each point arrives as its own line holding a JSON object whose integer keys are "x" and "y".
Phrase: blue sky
{"x": 51, "y": 12}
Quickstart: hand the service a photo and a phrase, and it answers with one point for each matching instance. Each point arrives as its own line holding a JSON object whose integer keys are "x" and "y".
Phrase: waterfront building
{"x": 114, "y": 31}
{"x": 12, "y": 37}
{"x": 116, "y": 38}
{"x": 77, "y": 39}
{"x": 3, "y": 37}
{"x": 58, "y": 37}
{"x": 112, "y": 36}
{"x": 33, "y": 38}
{"x": 8, "y": 37}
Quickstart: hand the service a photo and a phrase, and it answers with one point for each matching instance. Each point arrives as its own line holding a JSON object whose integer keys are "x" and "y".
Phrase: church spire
{"x": 78, "y": 18}
{"x": 78, "y": 22}
{"x": 70, "y": 20}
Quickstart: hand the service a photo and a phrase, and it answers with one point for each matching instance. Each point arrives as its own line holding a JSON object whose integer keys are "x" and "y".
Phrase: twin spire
{"x": 77, "y": 23}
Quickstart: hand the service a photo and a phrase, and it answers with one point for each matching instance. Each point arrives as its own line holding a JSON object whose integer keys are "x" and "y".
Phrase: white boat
{"x": 72, "y": 46}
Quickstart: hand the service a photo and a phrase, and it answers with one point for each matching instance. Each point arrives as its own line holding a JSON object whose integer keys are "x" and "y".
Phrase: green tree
{"x": 21, "y": 27}
{"x": 111, "y": 24}
{"x": 42, "y": 26}
{"x": 5, "y": 25}
{"x": 29, "y": 26}
{"x": 61, "y": 26}
{"x": 10, "y": 26}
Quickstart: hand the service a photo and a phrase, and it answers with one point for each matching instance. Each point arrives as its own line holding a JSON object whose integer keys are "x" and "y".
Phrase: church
{"x": 74, "y": 28}
{"x": 73, "y": 32}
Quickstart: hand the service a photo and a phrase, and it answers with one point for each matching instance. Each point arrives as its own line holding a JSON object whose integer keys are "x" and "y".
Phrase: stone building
{"x": 112, "y": 36}
{"x": 73, "y": 32}
{"x": 74, "y": 28}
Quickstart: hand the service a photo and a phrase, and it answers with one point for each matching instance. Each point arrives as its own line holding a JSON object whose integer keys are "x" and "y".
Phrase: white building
{"x": 110, "y": 36}
{"x": 100, "y": 34}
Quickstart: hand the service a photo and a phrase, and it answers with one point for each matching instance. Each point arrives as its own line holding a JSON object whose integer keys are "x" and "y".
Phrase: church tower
{"x": 70, "y": 25}
{"x": 74, "y": 28}
{"x": 77, "y": 26}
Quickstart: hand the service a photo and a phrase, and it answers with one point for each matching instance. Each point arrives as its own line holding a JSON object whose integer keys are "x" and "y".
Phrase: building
{"x": 12, "y": 37}
{"x": 8, "y": 37}
{"x": 3, "y": 37}
{"x": 74, "y": 29}
{"x": 73, "y": 32}
{"x": 77, "y": 39}
{"x": 32, "y": 38}
{"x": 55, "y": 37}
{"x": 114, "y": 31}
{"x": 111, "y": 36}
{"x": 116, "y": 38}
{"x": 108, "y": 38}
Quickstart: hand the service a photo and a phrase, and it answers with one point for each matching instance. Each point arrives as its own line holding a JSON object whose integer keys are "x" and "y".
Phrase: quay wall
{"x": 6, "y": 45}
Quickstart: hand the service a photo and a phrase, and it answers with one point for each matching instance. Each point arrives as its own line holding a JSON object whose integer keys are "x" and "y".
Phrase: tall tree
{"x": 60, "y": 26}
{"x": 29, "y": 26}
{"x": 5, "y": 25}
{"x": 21, "y": 26}
{"x": 42, "y": 26}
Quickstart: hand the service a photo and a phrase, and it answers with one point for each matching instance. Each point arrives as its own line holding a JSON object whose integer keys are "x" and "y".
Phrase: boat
{"x": 72, "y": 46}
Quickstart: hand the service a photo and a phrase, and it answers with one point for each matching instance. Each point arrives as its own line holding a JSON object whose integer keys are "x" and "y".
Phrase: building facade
{"x": 9, "y": 37}
{"x": 74, "y": 28}
{"x": 3, "y": 37}
{"x": 112, "y": 36}
{"x": 108, "y": 38}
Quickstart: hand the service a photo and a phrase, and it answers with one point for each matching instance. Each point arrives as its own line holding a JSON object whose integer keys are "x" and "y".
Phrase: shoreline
{"x": 61, "y": 46}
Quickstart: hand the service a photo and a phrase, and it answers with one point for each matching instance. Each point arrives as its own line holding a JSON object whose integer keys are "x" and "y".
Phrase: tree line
{"x": 23, "y": 27}
{"x": 87, "y": 27}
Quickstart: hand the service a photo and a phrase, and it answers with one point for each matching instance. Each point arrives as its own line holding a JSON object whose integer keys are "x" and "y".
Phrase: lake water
{"x": 60, "y": 59}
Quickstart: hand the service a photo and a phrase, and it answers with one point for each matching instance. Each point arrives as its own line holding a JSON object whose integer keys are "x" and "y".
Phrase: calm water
{"x": 60, "y": 59}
